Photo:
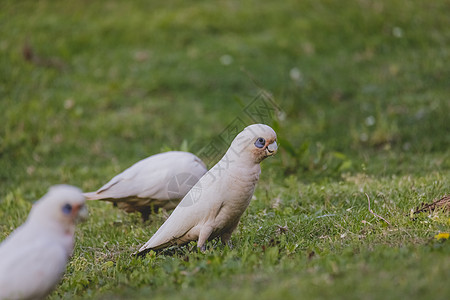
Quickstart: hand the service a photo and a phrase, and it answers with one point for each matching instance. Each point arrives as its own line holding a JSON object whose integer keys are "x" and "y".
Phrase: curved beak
{"x": 272, "y": 148}
{"x": 81, "y": 212}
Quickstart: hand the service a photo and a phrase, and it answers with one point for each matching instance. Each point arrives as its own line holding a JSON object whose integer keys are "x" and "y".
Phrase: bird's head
{"x": 63, "y": 204}
{"x": 257, "y": 141}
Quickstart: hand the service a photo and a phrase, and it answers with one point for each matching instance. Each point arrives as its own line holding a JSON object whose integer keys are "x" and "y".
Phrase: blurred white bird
{"x": 158, "y": 181}
{"x": 214, "y": 206}
{"x": 33, "y": 257}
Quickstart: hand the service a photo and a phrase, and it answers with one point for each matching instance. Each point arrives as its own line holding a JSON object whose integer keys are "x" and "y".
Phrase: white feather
{"x": 153, "y": 181}
{"x": 33, "y": 258}
{"x": 213, "y": 207}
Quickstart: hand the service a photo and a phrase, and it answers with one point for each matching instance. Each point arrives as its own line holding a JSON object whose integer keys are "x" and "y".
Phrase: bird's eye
{"x": 67, "y": 209}
{"x": 260, "y": 142}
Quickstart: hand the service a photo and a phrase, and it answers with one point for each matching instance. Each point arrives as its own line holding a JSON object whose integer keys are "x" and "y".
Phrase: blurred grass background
{"x": 87, "y": 88}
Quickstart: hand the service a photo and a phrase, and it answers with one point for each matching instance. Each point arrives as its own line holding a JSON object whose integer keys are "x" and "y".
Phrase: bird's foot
{"x": 230, "y": 245}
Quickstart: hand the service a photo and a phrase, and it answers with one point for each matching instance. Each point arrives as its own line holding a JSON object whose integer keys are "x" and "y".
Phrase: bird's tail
{"x": 147, "y": 248}
{"x": 92, "y": 196}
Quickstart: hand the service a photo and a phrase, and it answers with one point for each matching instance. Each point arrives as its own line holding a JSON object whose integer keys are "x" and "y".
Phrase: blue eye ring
{"x": 260, "y": 142}
{"x": 67, "y": 209}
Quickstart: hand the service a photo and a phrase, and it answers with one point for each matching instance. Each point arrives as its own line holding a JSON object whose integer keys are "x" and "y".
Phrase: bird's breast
{"x": 239, "y": 191}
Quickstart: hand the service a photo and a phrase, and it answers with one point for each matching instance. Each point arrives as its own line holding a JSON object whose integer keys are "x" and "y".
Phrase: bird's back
{"x": 164, "y": 176}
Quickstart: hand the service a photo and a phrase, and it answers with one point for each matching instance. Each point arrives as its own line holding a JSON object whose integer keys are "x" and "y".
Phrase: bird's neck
{"x": 239, "y": 166}
{"x": 53, "y": 226}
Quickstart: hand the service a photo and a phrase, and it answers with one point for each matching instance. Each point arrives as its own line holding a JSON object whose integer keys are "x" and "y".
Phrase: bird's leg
{"x": 205, "y": 232}
{"x": 165, "y": 213}
{"x": 145, "y": 213}
{"x": 230, "y": 245}
{"x": 226, "y": 240}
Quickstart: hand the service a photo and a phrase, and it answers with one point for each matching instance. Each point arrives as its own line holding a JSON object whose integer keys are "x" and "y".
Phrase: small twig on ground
{"x": 443, "y": 203}
{"x": 376, "y": 215}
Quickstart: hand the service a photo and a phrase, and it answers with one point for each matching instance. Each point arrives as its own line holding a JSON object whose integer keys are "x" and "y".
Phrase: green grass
{"x": 364, "y": 91}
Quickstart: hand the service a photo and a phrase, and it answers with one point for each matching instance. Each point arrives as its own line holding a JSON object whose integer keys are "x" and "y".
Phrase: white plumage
{"x": 33, "y": 257}
{"x": 216, "y": 203}
{"x": 158, "y": 181}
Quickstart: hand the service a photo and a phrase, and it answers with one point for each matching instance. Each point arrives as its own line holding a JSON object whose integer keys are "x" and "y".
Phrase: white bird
{"x": 214, "y": 206}
{"x": 33, "y": 257}
{"x": 158, "y": 181}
